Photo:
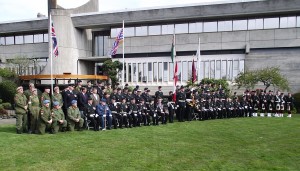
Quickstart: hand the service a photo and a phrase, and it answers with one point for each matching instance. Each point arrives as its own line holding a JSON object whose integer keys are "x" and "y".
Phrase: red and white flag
{"x": 175, "y": 81}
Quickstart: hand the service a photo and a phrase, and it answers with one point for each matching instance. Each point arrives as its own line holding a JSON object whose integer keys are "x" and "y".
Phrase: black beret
{"x": 145, "y": 88}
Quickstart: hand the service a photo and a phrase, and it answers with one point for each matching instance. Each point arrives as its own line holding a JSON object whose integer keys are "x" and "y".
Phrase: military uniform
{"x": 133, "y": 111}
{"x": 104, "y": 112}
{"x": 181, "y": 101}
{"x": 34, "y": 107}
{"x": 90, "y": 112}
{"x": 21, "y": 112}
{"x": 45, "y": 116}
{"x": 58, "y": 98}
{"x": 127, "y": 119}
{"x": 73, "y": 114}
{"x": 46, "y": 96}
{"x": 58, "y": 115}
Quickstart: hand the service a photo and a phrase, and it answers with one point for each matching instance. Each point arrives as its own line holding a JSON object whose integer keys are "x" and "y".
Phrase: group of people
{"x": 102, "y": 107}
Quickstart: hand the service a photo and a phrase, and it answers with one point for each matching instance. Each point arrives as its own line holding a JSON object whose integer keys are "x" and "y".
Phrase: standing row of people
{"x": 102, "y": 107}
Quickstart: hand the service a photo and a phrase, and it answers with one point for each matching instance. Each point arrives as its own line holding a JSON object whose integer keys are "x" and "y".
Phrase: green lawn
{"x": 230, "y": 144}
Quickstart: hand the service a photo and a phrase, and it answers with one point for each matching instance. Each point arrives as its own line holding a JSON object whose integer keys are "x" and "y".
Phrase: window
{"x": 129, "y": 31}
{"x": 140, "y": 70}
{"x": 46, "y": 37}
{"x": 114, "y": 32}
{"x": 286, "y": 22}
{"x": 212, "y": 69}
{"x": 129, "y": 73}
{"x": 239, "y": 24}
{"x": 242, "y": 65}
{"x": 10, "y": 40}
{"x": 254, "y": 24}
{"x": 38, "y": 38}
{"x": 171, "y": 71}
{"x": 154, "y": 30}
{"x": 201, "y": 70}
{"x": 195, "y": 27}
{"x": 235, "y": 68}
{"x": 181, "y": 28}
{"x": 223, "y": 69}
{"x": 165, "y": 72}
{"x": 168, "y": 29}
{"x": 210, "y": 26}
{"x": 19, "y": 39}
{"x": 298, "y": 21}
{"x": 206, "y": 69}
{"x": 185, "y": 71}
{"x": 28, "y": 39}
{"x": 150, "y": 72}
{"x": 270, "y": 23}
{"x": 155, "y": 69}
{"x": 218, "y": 70}
{"x": 141, "y": 31}
{"x": 190, "y": 65}
{"x": 135, "y": 72}
{"x": 225, "y": 26}
{"x": 160, "y": 71}
{"x": 229, "y": 70}
{"x": 145, "y": 72}
{"x": 179, "y": 73}
{"x": 2, "y": 41}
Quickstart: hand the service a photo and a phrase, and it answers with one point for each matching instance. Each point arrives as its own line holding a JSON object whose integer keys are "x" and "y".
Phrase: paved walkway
{"x": 7, "y": 121}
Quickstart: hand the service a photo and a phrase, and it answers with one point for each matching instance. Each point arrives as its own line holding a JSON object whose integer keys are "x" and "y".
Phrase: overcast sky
{"x": 28, "y": 9}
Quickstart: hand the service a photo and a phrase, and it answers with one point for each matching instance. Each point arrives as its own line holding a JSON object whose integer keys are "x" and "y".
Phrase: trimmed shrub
{"x": 7, "y": 106}
{"x": 8, "y": 91}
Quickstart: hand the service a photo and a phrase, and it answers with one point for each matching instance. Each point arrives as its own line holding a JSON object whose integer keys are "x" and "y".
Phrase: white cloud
{"x": 28, "y": 9}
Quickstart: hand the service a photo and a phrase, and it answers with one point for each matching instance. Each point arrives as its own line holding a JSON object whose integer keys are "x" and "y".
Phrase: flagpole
{"x": 198, "y": 60}
{"x": 51, "y": 50}
{"x": 123, "y": 74}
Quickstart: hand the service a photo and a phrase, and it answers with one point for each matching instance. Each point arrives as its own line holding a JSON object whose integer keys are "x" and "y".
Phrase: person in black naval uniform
{"x": 133, "y": 111}
{"x": 91, "y": 114}
{"x": 116, "y": 117}
{"x": 159, "y": 93}
{"x": 181, "y": 98}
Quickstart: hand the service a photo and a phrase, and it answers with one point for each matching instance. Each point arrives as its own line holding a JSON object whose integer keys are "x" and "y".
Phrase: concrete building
{"x": 235, "y": 36}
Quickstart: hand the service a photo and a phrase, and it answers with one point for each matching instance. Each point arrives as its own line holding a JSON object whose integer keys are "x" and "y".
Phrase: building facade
{"x": 234, "y": 36}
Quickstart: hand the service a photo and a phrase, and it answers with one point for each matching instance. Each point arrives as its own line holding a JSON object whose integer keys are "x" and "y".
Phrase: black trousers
{"x": 181, "y": 111}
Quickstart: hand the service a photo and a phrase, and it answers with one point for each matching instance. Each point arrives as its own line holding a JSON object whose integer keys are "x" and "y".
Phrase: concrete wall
{"x": 72, "y": 42}
{"x": 288, "y": 60}
{"x": 273, "y": 38}
{"x": 192, "y": 12}
{"x": 30, "y": 50}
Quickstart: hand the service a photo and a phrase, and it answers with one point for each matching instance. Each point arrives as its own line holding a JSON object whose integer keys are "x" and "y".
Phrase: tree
{"x": 111, "y": 69}
{"x": 23, "y": 62}
{"x": 269, "y": 76}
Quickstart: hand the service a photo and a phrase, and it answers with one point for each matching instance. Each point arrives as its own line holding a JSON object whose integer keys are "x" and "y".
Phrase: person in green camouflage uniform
{"x": 59, "y": 121}
{"x": 21, "y": 111}
{"x": 57, "y": 96}
{"x": 45, "y": 119}
{"x": 45, "y": 95}
{"x": 34, "y": 107}
{"x": 74, "y": 117}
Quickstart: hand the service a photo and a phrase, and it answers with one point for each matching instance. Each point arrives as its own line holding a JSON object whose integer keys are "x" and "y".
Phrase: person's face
{"x": 103, "y": 103}
{"x": 47, "y": 105}
{"x": 71, "y": 88}
{"x": 47, "y": 90}
{"x": 94, "y": 91}
{"x": 20, "y": 90}
{"x": 57, "y": 90}
{"x": 74, "y": 105}
{"x": 34, "y": 92}
{"x": 57, "y": 107}
{"x": 84, "y": 90}
{"x": 89, "y": 83}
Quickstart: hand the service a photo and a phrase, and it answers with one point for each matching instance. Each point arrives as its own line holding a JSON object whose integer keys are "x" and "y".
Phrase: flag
{"x": 118, "y": 40}
{"x": 194, "y": 77}
{"x": 175, "y": 81}
{"x": 54, "y": 41}
{"x": 173, "y": 50}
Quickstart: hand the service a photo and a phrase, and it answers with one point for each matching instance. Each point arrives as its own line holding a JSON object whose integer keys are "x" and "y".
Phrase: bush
{"x": 1, "y": 101}
{"x": 8, "y": 91}
{"x": 6, "y": 106}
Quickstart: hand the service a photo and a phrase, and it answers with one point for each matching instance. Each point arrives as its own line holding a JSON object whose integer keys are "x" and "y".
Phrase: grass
{"x": 229, "y": 144}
